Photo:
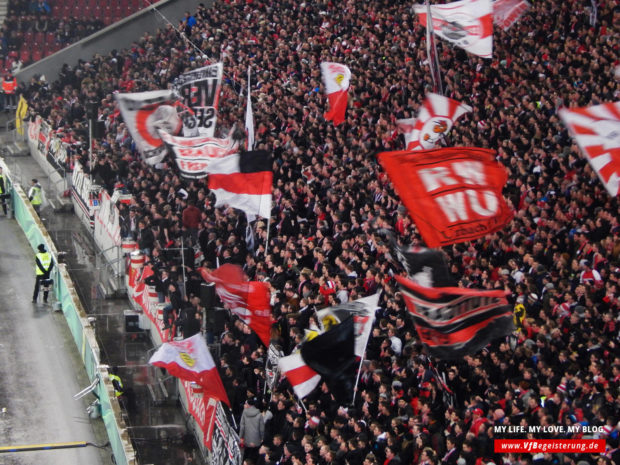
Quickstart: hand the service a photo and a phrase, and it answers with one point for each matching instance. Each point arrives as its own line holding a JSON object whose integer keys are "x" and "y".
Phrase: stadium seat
{"x": 24, "y": 54}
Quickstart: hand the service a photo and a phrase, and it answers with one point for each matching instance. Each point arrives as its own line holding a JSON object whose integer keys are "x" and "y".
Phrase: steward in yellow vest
{"x": 43, "y": 266}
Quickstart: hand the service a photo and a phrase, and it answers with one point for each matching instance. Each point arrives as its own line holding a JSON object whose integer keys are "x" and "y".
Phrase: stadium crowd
{"x": 29, "y": 32}
{"x": 558, "y": 258}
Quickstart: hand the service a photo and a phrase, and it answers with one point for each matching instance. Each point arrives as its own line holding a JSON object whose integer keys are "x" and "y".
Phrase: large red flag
{"x": 247, "y": 299}
{"x": 452, "y": 194}
{"x": 191, "y": 360}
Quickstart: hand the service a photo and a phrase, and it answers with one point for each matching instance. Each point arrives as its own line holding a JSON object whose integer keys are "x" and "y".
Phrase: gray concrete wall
{"x": 116, "y": 36}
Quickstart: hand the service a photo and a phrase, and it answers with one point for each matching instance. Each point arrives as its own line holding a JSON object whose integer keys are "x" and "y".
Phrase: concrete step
{"x": 16, "y": 149}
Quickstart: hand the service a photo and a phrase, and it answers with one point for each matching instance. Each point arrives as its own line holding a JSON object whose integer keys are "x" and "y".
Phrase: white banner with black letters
{"x": 199, "y": 90}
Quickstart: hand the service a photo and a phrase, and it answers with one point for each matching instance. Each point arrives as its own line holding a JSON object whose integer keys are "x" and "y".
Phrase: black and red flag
{"x": 453, "y": 322}
{"x": 452, "y": 194}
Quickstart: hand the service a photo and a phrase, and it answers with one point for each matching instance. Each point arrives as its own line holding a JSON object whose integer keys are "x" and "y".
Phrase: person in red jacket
{"x": 191, "y": 221}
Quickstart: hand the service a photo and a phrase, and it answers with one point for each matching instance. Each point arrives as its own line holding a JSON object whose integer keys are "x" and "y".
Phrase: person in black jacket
{"x": 176, "y": 303}
{"x": 146, "y": 239}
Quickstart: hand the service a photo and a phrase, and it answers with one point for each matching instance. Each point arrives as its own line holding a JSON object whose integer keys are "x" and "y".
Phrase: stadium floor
{"x": 157, "y": 424}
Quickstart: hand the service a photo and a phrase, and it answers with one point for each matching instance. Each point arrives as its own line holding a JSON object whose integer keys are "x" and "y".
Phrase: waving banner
{"x": 193, "y": 154}
{"x": 596, "y": 130}
{"x": 435, "y": 119}
{"x": 467, "y": 24}
{"x": 144, "y": 114}
{"x": 249, "y": 300}
{"x": 453, "y": 322}
{"x": 199, "y": 90}
{"x": 508, "y": 12}
{"x": 452, "y": 194}
{"x": 336, "y": 78}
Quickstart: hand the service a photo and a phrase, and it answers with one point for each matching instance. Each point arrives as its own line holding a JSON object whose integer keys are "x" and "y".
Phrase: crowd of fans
{"x": 558, "y": 258}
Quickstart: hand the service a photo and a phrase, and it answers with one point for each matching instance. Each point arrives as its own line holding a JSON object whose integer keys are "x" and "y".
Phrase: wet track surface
{"x": 157, "y": 425}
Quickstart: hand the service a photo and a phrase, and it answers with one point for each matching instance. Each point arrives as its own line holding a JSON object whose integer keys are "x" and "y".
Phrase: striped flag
{"x": 303, "y": 378}
{"x": 453, "y": 322}
{"x": 508, "y": 12}
{"x": 243, "y": 181}
{"x": 596, "y": 130}
{"x": 435, "y": 118}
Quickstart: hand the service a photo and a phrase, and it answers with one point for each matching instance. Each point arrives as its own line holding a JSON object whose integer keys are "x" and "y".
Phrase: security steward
{"x": 43, "y": 266}
{"x": 2, "y": 192}
{"x": 116, "y": 382}
{"x": 9, "y": 87}
{"x": 35, "y": 196}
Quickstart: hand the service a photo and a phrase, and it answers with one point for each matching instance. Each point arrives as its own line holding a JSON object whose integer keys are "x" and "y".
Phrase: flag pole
{"x": 431, "y": 51}
{"x": 267, "y": 239}
{"x": 357, "y": 379}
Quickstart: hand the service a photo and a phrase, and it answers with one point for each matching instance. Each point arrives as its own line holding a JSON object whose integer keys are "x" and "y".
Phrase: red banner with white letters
{"x": 452, "y": 194}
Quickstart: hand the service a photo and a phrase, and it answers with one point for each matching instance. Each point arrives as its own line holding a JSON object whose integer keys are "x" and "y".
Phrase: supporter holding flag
{"x": 336, "y": 78}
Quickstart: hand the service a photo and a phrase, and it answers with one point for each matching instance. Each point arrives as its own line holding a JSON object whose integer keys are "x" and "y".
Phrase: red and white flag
{"x": 303, "y": 378}
{"x": 145, "y": 114}
{"x": 249, "y": 300}
{"x": 194, "y": 154}
{"x": 336, "y": 78}
{"x": 452, "y": 194}
{"x": 467, "y": 24}
{"x": 190, "y": 360}
{"x": 596, "y": 130}
{"x": 243, "y": 181}
{"x": 508, "y": 12}
{"x": 436, "y": 117}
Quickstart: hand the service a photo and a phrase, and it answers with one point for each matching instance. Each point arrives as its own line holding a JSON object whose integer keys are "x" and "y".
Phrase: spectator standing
{"x": 251, "y": 429}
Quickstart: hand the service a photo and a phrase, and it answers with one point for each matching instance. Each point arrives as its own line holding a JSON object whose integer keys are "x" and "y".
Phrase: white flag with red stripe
{"x": 191, "y": 360}
{"x": 467, "y": 24}
{"x": 303, "y": 378}
{"x": 508, "y": 12}
{"x": 243, "y": 181}
{"x": 596, "y": 130}
{"x": 336, "y": 78}
{"x": 435, "y": 119}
